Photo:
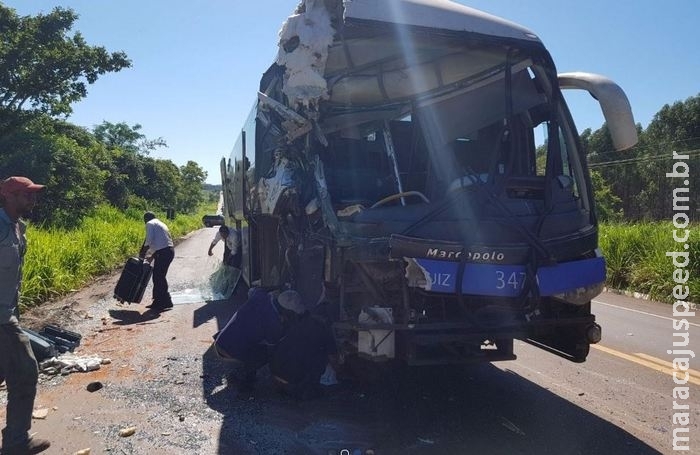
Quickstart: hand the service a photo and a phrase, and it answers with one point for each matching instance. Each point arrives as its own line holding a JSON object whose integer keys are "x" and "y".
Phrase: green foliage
{"x": 636, "y": 259}
{"x": 677, "y": 122}
{"x": 50, "y": 152}
{"x": 191, "y": 193}
{"x": 43, "y": 70}
{"x": 81, "y": 172}
{"x": 637, "y": 177}
{"x": 608, "y": 205}
{"x": 127, "y": 138}
{"x": 134, "y": 178}
{"x": 60, "y": 261}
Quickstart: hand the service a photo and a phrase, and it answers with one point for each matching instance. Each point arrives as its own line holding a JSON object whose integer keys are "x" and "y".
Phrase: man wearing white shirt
{"x": 232, "y": 245}
{"x": 159, "y": 247}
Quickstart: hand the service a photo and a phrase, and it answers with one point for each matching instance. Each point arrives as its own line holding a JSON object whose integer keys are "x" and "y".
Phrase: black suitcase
{"x": 65, "y": 340}
{"x": 42, "y": 347}
{"x": 133, "y": 281}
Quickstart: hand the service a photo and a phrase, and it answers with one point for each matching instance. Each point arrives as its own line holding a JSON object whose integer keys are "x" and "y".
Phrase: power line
{"x": 664, "y": 144}
{"x": 642, "y": 159}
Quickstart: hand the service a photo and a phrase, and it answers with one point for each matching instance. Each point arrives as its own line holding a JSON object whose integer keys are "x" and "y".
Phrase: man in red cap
{"x": 17, "y": 362}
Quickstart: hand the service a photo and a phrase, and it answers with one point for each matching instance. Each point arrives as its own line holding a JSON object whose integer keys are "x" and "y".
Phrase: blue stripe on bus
{"x": 508, "y": 280}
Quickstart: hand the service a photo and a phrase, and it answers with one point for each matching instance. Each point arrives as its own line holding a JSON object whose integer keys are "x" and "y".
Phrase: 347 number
{"x": 515, "y": 280}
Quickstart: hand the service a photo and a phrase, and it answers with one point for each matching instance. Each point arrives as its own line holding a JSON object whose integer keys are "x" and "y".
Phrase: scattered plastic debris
{"x": 70, "y": 363}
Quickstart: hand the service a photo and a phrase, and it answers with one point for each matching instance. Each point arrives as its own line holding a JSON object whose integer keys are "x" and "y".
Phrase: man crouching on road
{"x": 17, "y": 362}
{"x": 255, "y": 329}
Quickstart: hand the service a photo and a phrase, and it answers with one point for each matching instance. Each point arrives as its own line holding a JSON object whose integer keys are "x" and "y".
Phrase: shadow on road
{"x": 427, "y": 410}
{"x": 129, "y": 317}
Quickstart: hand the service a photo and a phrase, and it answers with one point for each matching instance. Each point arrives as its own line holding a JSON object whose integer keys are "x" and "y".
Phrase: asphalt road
{"x": 627, "y": 380}
{"x": 166, "y": 381}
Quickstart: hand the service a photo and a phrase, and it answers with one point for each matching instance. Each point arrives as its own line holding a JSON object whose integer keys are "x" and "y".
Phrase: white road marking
{"x": 640, "y": 312}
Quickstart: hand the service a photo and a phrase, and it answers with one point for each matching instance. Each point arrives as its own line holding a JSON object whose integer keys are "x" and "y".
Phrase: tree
{"x": 127, "y": 184}
{"x": 128, "y": 138}
{"x": 43, "y": 70}
{"x": 124, "y": 170}
{"x": 163, "y": 182}
{"x": 64, "y": 158}
{"x": 608, "y": 205}
{"x": 615, "y": 171}
{"x": 673, "y": 128}
{"x": 191, "y": 194}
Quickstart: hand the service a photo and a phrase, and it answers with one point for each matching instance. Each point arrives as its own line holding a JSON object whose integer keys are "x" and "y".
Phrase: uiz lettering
{"x": 440, "y": 279}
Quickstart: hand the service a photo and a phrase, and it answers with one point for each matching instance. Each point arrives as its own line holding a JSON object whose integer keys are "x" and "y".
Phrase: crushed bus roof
{"x": 440, "y": 14}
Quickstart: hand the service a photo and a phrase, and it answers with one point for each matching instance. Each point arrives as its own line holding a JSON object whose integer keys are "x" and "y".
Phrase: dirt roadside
{"x": 154, "y": 381}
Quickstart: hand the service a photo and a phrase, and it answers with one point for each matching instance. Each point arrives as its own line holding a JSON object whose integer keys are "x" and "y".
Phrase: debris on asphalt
{"x": 70, "y": 363}
{"x": 511, "y": 426}
{"x": 94, "y": 386}
{"x": 40, "y": 413}
{"x": 126, "y": 432}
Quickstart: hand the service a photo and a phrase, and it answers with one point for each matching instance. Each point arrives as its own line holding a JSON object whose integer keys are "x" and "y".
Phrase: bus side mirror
{"x": 613, "y": 102}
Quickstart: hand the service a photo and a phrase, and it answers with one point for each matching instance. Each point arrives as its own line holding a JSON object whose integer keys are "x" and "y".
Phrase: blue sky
{"x": 197, "y": 64}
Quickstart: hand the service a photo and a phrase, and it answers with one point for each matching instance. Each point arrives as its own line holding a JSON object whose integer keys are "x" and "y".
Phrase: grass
{"x": 61, "y": 261}
{"x": 636, "y": 258}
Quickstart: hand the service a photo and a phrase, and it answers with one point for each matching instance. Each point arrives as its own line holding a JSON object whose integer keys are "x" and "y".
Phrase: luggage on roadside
{"x": 133, "y": 280}
{"x": 42, "y": 347}
{"x": 65, "y": 340}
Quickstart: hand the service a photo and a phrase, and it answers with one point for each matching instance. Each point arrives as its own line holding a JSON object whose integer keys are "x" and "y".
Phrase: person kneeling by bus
{"x": 301, "y": 357}
{"x": 254, "y": 329}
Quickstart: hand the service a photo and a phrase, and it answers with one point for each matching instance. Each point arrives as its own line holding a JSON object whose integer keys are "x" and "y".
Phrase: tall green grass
{"x": 61, "y": 261}
{"x": 636, "y": 258}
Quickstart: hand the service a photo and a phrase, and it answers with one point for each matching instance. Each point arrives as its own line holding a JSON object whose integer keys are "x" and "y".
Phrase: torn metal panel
{"x": 282, "y": 179}
{"x": 294, "y": 124}
{"x": 416, "y": 275}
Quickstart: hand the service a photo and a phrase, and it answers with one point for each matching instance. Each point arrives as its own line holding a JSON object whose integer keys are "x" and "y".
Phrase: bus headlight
{"x": 580, "y": 296}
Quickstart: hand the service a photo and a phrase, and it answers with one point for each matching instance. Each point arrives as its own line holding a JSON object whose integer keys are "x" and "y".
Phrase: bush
{"x": 60, "y": 261}
{"x": 636, "y": 258}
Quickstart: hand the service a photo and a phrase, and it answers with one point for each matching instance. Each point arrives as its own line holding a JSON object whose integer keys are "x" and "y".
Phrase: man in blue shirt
{"x": 255, "y": 328}
{"x": 301, "y": 357}
{"x": 17, "y": 362}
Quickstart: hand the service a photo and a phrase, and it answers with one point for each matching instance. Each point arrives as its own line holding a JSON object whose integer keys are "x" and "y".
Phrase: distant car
{"x": 213, "y": 220}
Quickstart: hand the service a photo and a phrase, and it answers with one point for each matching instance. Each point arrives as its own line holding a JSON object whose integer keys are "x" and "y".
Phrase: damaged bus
{"x": 413, "y": 165}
